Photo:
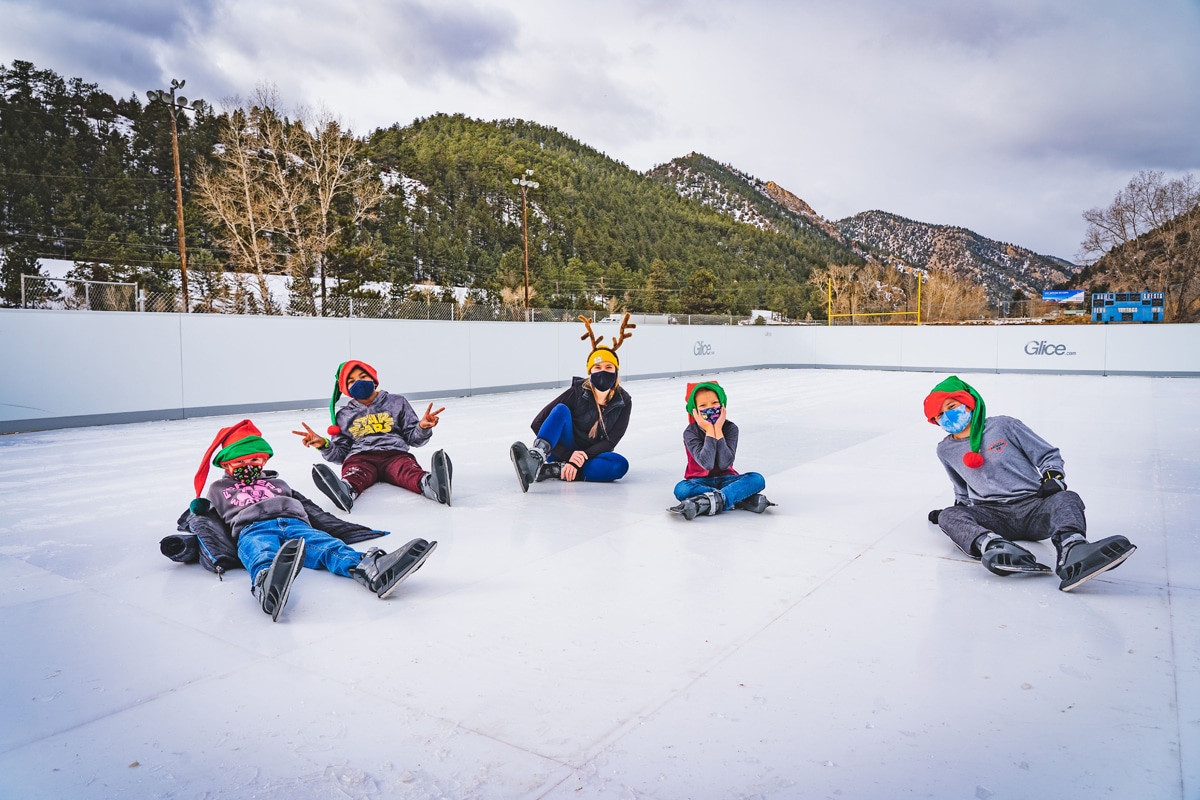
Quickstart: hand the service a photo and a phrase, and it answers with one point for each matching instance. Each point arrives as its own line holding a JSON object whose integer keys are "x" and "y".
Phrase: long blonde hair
{"x": 587, "y": 384}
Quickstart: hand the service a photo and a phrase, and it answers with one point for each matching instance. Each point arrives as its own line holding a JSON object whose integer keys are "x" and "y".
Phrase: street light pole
{"x": 525, "y": 183}
{"x": 174, "y": 105}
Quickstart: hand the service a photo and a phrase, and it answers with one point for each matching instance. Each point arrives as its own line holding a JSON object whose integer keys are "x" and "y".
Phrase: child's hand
{"x": 430, "y": 417}
{"x": 704, "y": 424}
{"x": 311, "y": 437}
{"x": 720, "y": 423}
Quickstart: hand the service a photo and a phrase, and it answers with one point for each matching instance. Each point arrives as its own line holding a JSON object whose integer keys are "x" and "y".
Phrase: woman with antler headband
{"x": 577, "y": 431}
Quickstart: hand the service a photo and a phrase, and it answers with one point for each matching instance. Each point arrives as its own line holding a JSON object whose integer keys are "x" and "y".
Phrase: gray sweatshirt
{"x": 1014, "y": 458}
{"x": 240, "y": 504}
{"x": 388, "y": 423}
{"x": 709, "y": 457}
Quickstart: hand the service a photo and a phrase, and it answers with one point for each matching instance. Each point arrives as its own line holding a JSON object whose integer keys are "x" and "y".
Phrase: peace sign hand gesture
{"x": 430, "y": 418}
{"x": 311, "y": 437}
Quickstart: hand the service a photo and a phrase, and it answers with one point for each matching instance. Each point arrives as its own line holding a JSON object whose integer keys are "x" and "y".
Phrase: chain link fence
{"x": 69, "y": 294}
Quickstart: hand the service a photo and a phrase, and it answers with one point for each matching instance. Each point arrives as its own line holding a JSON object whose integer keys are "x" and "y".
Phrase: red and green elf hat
{"x": 955, "y": 389}
{"x": 236, "y": 441}
{"x": 712, "y": 386}
{"x": 340, "y": 387}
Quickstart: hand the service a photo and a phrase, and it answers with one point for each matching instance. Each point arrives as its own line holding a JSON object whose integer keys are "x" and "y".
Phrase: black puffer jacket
{"x": 584, "y": 413}
{"x": 206, "y": 537}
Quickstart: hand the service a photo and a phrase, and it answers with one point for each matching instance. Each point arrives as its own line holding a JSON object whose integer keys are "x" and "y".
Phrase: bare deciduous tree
{"x": 1148, "y": 239}
{"x": 283, "y": 190}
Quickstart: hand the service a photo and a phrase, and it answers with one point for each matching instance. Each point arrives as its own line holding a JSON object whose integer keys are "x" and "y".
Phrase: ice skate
{"x": 273, "y": 584}
{"x": 529, "y": 461}
{"x": 1002, "y": 557}
{"x": 436, "y": 483}
{"x": 758, "y": 503}
{"x": 709, "y": 503}
{"x": 339, "y": 491}
{"x": 382, "y": 572}
{"x": 1080, "y": 561}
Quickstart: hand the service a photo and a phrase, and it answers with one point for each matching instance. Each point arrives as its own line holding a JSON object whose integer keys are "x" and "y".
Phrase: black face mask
{"x": 603, "y": 381}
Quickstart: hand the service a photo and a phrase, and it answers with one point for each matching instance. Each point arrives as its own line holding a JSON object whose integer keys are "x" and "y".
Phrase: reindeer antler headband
{"x": 602, "y": 352}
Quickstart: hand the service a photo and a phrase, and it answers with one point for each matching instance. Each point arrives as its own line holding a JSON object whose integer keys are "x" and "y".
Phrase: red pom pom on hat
{"x": 973, "y": 460}
{"x": 333, "y": 430}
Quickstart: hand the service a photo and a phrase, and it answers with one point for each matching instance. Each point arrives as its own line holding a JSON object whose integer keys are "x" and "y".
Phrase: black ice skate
{"x": 758, "y": 503}
{"x": 1002, "y": 557}
{"x": 1080, "y": 561}
{"x": 275, "y": 582}
{"x": 382, "y": 572}
{"x": 436, "y": 483}
{"x": 709, "y": 503}
{"x": 528, "y": 461}
{"x": 341, "y": 493}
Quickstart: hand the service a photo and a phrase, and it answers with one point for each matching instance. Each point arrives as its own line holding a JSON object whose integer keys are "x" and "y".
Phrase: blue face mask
{"x": 361, "y": 390}
{"x": 603, "y": 381}
{"x": 955, "y": 420}
{"x": 711, "y": 414}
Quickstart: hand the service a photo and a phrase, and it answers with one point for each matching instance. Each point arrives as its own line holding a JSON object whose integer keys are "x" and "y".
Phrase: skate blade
{"x": 515, "y": 457}
{"x": 1103, "y": 568}
{"x": 335, "y": 492}
{"x": 1036, "y": 569}
{"x": 441, "y": 467}
{"x": 408, "y": 570}
{"x": 291, "y": 563}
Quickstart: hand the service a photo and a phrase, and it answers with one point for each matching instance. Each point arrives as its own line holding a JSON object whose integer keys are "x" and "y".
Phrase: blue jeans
{"x": 260, "y": 541}
{"x": 601, "y": 468}
{"x": 734, "y": 488}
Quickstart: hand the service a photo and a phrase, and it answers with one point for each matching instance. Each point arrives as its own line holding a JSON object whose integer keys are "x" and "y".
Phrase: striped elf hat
{"x": 340, "y": 388}
{"x": 955, "y": 389}
{"x": 240, "y": 439}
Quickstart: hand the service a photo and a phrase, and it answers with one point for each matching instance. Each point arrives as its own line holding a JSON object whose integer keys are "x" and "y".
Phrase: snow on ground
{"x": 580, "y": 642}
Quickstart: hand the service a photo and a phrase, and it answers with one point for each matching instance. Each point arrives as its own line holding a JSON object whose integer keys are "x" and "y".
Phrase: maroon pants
{"x": 362, "y": 470}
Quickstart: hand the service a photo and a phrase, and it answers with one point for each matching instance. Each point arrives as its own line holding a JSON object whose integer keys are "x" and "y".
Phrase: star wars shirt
{"x": 388, "y": 423}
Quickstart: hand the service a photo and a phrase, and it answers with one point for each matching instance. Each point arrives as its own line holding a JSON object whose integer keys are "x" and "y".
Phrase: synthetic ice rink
{"x": 579, "y": 641}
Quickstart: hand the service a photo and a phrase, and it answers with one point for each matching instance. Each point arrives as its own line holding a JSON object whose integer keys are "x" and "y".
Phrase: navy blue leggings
{"x": 600, "y": 468}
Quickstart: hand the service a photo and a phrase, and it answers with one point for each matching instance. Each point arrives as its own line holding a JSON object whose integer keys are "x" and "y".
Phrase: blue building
{"x": 1127, "y": 307}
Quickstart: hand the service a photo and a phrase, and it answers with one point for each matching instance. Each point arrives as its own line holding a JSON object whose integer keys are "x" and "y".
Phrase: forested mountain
{"x": 764, "y": 204}
{"x": 999, "y": 267}
{"x": 88, "y": 177}
{"x": 961, "y": 254}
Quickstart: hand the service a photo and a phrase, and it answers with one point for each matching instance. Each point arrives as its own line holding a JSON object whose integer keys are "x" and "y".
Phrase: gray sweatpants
{"x": 1032, "y": 519}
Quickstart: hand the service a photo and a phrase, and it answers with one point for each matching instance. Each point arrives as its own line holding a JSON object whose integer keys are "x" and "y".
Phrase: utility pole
{"x": 525, "y": 183}
{"x": 174, "y": 106}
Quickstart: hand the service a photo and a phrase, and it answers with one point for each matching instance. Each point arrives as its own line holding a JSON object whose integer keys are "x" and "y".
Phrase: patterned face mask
{"x": 711, "y": 414}
{"x": 247, "y": 474}
{"x": 955, "y": 420}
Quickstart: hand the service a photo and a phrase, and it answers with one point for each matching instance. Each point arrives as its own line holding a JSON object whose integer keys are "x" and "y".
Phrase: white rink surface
{"x": 580, "y": 642}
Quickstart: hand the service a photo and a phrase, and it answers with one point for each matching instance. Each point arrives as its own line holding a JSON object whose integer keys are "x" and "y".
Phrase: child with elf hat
{"x": 371, "y": 437}
{"x": 710, "y": 485}
{"x": 272, "y": 531}
{"x": 1009, "y": 484}
{"x": 578, "y": 430}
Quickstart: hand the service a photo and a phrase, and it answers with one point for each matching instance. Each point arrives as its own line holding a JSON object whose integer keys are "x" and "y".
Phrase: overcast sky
{"x": 1008, "y": 117}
